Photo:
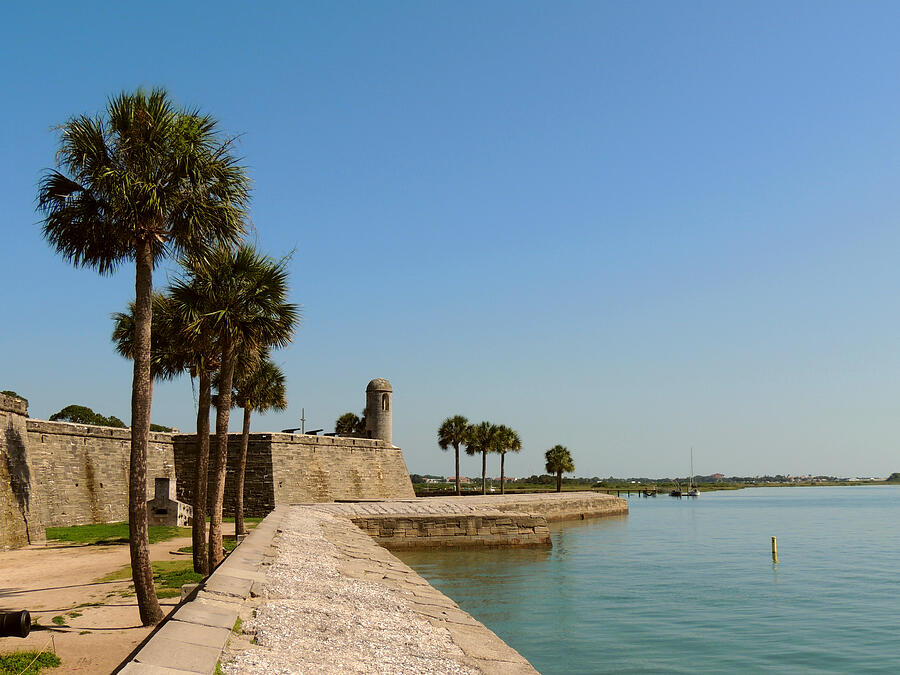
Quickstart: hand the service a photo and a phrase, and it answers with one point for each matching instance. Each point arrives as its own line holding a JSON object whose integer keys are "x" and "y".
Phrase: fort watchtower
{"x": 379, "y": 402}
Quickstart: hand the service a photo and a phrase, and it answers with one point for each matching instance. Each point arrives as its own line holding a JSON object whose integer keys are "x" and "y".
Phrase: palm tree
{"x": 202, "y": 358}
{"x": 507, "y": 441}
{"x": 558, "y": 460}
{"x": 482, "y": 437}
{"x": 143, "y": 181}
{"x": 168, "y": 357}
{"x": 453, "y": 431}
{"x": 242, "y": 301}
{"x": 350, "y": 424}
{"x": 260, "y": 390}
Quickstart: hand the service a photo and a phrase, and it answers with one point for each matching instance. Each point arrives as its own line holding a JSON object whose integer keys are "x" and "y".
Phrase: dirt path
{"x": 54, "y": 580}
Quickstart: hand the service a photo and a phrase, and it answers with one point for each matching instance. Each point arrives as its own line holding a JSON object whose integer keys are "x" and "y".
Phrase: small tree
{"x": 453, "y": 431}
{"x": 559, "y": 460}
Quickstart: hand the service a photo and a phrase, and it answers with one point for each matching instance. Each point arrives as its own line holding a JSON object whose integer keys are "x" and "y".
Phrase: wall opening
{"x": 385, "y": 402}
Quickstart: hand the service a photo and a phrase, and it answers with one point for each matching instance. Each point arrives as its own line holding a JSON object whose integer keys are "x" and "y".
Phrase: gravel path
{"x": 314, "y": 618}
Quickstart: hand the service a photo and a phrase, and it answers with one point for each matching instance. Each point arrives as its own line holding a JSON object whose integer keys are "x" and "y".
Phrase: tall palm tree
{"x": 507, "y": 441}
{"x": 140, "y": 182}
{"x": 453, "y": 431}
{"x": 482, "y": 437}
{"x": 202, "y": 357}
{"x": 558, "y": 460}
{"x": 258, "y": 390}
{"x": 242, "y": 301}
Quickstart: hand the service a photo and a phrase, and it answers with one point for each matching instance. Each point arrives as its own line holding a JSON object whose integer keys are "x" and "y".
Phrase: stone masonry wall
{"x": 328, "y": 468}
{"x": 259, "y": 496}
{"x": 417, "y": 531}
{"x": 20, "y": 503}
{"x": 83, "y": 470}
{"x": 299, "y": 469}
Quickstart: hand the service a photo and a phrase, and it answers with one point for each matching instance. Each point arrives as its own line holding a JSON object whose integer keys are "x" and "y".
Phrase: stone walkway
{"x": 335, "y": 602}
{"x": 316, "y": 595}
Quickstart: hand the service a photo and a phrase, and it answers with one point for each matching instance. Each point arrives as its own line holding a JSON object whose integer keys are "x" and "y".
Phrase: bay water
{"x": 689, "y": 585}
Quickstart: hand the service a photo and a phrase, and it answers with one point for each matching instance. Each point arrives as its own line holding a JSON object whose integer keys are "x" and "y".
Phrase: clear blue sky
{"x": 630, "y": 228}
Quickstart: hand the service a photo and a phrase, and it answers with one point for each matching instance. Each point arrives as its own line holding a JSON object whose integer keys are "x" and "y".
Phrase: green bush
{"x": 17, "y": 663}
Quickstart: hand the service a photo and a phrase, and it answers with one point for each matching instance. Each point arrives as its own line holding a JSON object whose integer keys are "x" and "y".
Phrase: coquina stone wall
{"x": 20, "y": 503}
{"x": 301, "y": 469}
{"x": 418, "y": 531}
{"x": 83, "y": 470}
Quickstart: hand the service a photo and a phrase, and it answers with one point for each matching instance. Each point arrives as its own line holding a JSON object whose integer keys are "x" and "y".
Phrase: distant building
{"x": 462, "y": 480}
{"x": 718, "y": 476}
{"x": 435, "y": 480}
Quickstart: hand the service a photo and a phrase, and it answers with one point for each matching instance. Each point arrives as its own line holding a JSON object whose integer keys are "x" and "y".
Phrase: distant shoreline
{"x": 427, "y": 490}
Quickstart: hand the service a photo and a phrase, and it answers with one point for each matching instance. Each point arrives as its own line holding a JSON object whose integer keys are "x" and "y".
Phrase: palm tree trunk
{"x": 220, "y": 459}
{"x": 456, "y": 447}
{"x": 483, "y": 472}
{"x": 198, "y": 529}
{"x": 141, "y": 401}
{"x": 502, "y": 473}
{"x": 559, "y": 481}
{"x": 242, "y": 467}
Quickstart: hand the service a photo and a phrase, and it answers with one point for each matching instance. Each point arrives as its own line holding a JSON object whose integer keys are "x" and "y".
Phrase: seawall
{"x": 466, "y": 522}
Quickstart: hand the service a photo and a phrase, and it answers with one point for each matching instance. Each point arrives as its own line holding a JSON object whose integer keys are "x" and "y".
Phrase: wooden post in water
{"x": 774, "y": 549}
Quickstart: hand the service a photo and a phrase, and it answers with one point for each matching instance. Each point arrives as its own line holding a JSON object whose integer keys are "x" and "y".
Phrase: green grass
{"x": 117, "y": 533}
{"x": 111, "y": 533}
{"x": 59, "y": 620}
{"x": 237, "y": 625}
{"x": 249, "y": 522}
{"x": 228, "y": 543}
{"x": 168, "y": 576}
{"x": 16, "y": 663}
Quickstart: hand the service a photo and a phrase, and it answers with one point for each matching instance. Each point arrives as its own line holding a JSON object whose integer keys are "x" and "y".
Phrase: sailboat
{"x": 693, "y": 490}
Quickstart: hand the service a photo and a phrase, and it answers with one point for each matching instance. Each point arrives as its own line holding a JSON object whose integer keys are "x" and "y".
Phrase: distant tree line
{"x": 81, "y": 414}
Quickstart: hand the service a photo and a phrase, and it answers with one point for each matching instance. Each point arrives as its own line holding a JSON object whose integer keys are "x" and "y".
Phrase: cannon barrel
{"x": 15, "y": 624}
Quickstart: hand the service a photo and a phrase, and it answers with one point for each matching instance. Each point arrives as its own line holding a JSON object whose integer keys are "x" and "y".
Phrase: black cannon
{"x": 15, "y": 624}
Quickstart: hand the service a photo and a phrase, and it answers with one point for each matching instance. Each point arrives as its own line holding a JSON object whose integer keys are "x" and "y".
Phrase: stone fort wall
{"x": 301, "y": 469}
{"x": 60, "y": 474}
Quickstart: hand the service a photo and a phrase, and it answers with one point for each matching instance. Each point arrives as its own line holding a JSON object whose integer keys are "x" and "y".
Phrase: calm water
{"x": 689, "y": 585}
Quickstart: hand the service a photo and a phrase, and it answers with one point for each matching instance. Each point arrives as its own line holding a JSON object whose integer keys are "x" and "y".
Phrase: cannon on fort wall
{"x": 15, "y": 624}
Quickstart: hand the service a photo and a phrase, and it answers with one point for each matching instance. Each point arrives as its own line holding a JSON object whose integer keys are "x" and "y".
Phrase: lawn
{"x": 111, "y": 533}
{"x": 117, "y": 533}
